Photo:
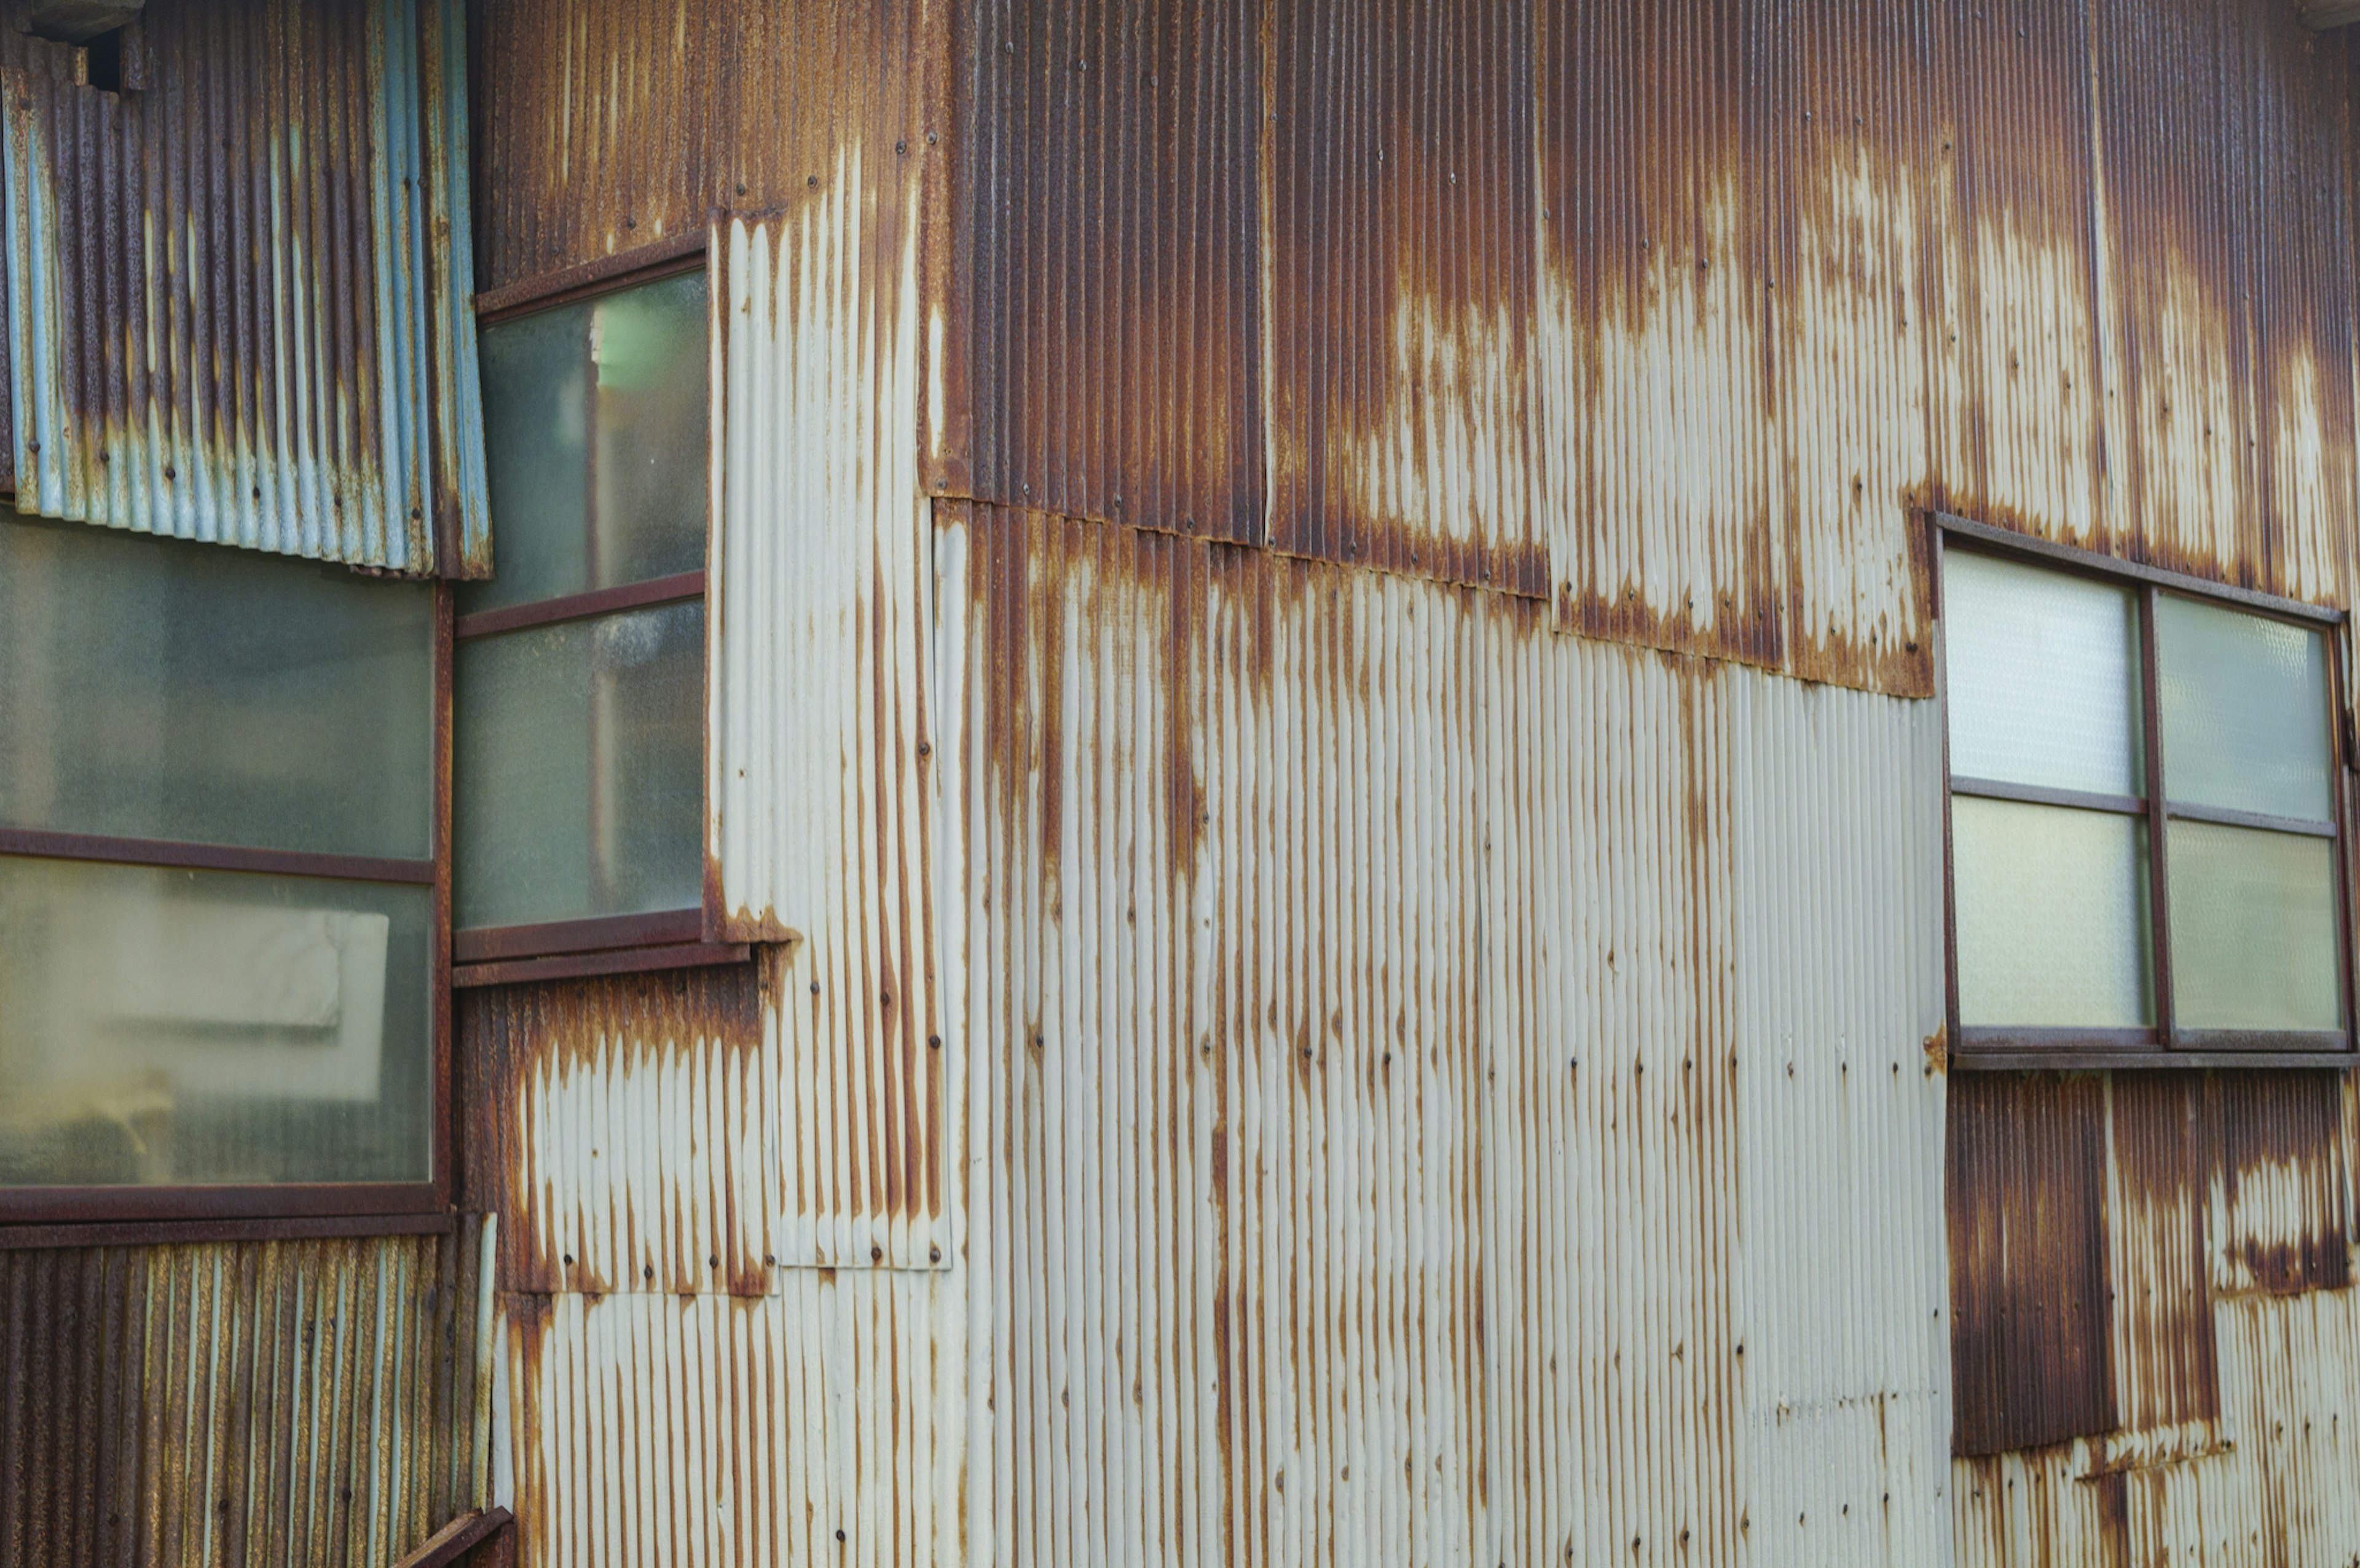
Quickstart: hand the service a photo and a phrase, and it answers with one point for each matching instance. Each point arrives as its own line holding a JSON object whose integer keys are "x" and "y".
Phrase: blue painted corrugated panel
{"x": 239, "y": 296}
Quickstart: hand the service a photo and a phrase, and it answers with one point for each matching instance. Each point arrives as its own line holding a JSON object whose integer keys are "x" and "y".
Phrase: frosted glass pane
{"x": 2245, "y": 710}
{"x": 595, "y": 425}
{"x": 2052, "y": 916}
{"x": 157, "y": 688}
{"x": 2042, "y": 676}
{"x": 580, "y": 770}
{"x": 209, "y": 1028}
{"x": 2253, "y": 929}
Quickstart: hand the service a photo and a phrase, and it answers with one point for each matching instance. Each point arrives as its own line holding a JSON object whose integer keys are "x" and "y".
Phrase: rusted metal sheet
{"x": 2030, "y": 1348}
{"x": 2282, "y": 1217}
{"x": 1409, "y": 1101}
{"x": 1110, "y": 207}
{"x": 1397, "y": 159}
{"x": 236, "y": 312}
{"x": 296, "y": 1402}
{"x": 623, "y": 1130}
{"x": 2167, "y": 1374}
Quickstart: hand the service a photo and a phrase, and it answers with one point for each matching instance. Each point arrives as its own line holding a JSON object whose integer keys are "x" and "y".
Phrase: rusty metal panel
{"x": 1399, "y": 274}
{"x": 624, "y": 1129}
{"x": 1409, "y": 1095}
{"x": 2031, "y": 1351}
{"x": 1112, "y": 302}
{"x": 2167, "y": 1374}
{"x": 299, "y": 1402}
{"x": 235, "y": 312}
{"x": 822, "y": 1424}
{"x": 2281, "y": 1217}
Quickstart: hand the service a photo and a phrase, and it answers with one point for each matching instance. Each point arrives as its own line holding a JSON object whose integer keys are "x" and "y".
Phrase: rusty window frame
{"x": 2165, "y": 1044}
{"x": 606, "y": 944}
{"x": 65, "y": 1216}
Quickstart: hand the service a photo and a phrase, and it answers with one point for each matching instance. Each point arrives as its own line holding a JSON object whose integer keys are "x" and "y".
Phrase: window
{"x": 2145, "y": 812}
{"x": 579, "y": 768}
{"x": 218, "y": 918}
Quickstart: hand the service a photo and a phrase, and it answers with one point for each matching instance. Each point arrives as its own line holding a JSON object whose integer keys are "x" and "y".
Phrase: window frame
{"x": 2164, "y": 1043}
{"x": 604, "y": 944}
{"x": 56, "y": 1217}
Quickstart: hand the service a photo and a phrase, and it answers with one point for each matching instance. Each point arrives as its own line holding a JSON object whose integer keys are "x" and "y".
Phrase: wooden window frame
{"x": 608, "y": 945}
{"x": 2165, "y": 1044}
{"x": 65, "y": 1216}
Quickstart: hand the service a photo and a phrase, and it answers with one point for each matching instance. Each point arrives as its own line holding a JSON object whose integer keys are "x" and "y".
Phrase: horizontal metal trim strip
{"x": 2115, "y": 566}
{"x": 2224, "y": 817}
{"x": 620, "y": 961}
{"x": 95, "y": 1205}
{"x": 213, "y": 857}
{"x": 2042, "y": 795}
{"x": 159, "y": 1232}
{"x": 489, "y": 944}
{"x": 1996, "y": 1039}
{"x": 2328, "y": 1041}
{"x": 582, "y": 606}
{"x": 2128, "y": 1060}
{"x": 599, "y": 276}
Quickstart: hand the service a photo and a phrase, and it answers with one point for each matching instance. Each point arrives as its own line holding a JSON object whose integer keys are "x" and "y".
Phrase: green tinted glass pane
{"x": 2042, "y": 676}
{"x": 209, "y": 1028}
{"x": 2052, "y": 916}
{"x": 2245, "y": 710}
{"x": 157, "y": 688}
{"x": 594, "y": 430}
{"x": 580, "y": 770}
{"x": 2253, "y": 929}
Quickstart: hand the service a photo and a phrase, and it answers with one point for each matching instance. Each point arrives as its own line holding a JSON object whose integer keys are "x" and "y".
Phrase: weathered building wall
{"x": 290, "y": 1403}
{"x": 1329, "y": 998}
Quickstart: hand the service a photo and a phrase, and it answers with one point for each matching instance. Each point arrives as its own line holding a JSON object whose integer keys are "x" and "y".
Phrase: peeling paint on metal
{"x": 300, "y": 1403}
{"x": 236, "y": 310}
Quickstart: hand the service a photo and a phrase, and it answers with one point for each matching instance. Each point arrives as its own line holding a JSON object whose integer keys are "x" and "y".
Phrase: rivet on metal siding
{"x": 901, "y": 150}
{"x": 933, "y": 1042}
{"x": 815, "y": 988}
{"x": 839, "y": 1535}
{"x": 934, "y": 1255}
{"x": 630, "y": 223}
{"x": 876, "y": 1252}
{"x": 647, "y": 1271}
{"x": 170, "y": 473}
{"x": 811, "y": 180}
{"x": 712, "y": 1260}
{"x": 741, "y": 188}
{"x": 930, "y": 139}
{"x": 926, "y": 748}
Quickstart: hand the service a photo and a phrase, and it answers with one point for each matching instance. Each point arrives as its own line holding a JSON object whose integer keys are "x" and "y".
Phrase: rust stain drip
{"x": 2166, "y": 1371}
{"x": 271, "y": 1403}
{"x": 2030, "y": 1342}
{"x": 604, "y": 1119}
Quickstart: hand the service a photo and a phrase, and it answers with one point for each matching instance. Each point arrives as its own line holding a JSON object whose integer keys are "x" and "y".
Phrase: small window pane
{"x": 581, "y": 769}
{"x": 594, "y": 430}
{"x": 2245, "y": 710}
{"x": 2052, "y": 916}
{"x": 156, "y": 688}
{"x": 206, "y": 1027}
{"x": 2042, "y": 675}
{"x": 2253, "y": 929}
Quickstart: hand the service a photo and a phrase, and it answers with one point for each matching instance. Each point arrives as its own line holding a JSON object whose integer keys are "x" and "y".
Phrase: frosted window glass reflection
{"x": 2245, "y": 710}
{"x": 210, "y": 1028}
{"x": 2052, "y": 918}
{"x": 2042, "y": 676}
{"x": 580, "y": 770}
{"x": 595, "y": 431}
{"x": 2253, "y": 929}
{"x": 157, "y": 688}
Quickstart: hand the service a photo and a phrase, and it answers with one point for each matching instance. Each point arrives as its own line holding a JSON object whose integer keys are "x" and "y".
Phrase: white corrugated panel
{"x": 821, "y": 741}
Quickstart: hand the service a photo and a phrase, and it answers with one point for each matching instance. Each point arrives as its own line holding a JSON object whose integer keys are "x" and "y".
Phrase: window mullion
{"x": 2157, "y": 819}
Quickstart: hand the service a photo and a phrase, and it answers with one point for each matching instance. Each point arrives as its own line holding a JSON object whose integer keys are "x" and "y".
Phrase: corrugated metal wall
{"x": 1413, "y": 1085}
{"x": 236, "y": 309}
{"x": 296, "y": 1402}
{"x": 1453, "y": 1093}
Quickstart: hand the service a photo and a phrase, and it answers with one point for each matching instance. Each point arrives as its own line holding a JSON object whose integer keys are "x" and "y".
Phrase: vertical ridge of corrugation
{"x": 1117, "y": 249}
{"x": 1400, "y": 290}
{"x": 266, "y": 1403}
{"x": 220, "y": 284}
{"x": 461, "y": 505}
